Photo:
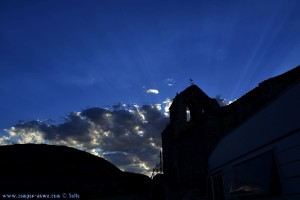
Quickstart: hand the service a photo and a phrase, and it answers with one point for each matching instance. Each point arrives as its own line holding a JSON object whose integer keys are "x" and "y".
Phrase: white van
{"x": 260, "y": 159}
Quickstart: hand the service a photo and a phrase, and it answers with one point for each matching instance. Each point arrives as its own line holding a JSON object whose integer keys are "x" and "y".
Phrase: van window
{"x": 257, "y": 177}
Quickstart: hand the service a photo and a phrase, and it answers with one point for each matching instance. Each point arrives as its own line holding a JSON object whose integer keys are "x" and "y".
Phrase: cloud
{"x": 230, "y": 102}
{"x": 153, "y": 91}
{"x": 168, "y": 103}
{"x": 223, "y": 102}
{"x": 126, "y": 135}
{"x": 170, "y": 82}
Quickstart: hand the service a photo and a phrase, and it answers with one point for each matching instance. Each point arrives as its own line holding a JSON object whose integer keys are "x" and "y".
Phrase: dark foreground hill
{"x": 61, "y": 170}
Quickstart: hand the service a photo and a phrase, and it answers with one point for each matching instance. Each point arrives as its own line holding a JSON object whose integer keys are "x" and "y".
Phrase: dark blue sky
{"x": 61, "y": 56}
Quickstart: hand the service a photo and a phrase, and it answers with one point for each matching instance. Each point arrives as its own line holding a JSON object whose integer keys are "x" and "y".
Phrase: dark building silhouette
{"x": 198, "y": 124}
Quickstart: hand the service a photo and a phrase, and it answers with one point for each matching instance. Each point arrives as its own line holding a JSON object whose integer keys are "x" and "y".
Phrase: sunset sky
{"x": 99, "y": 75}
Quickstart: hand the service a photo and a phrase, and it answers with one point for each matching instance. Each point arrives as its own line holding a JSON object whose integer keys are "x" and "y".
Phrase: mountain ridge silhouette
{"x": 37, "y": 168}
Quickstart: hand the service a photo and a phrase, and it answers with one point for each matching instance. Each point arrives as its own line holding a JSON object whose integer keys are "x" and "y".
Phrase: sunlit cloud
{"x": 157, "y": 106}
{"x": 230, "y": 102}
{"x": 168, "y": 103}
{"x": 222, "y": 101}
{"x": 152, "y": 91}
{"x": 5, "y": 140}
{"x": 126, "y": 135}
{"x": 22, "y": 133}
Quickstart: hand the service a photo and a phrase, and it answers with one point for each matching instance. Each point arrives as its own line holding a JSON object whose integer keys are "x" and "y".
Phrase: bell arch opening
{"x": 188, "y": 114}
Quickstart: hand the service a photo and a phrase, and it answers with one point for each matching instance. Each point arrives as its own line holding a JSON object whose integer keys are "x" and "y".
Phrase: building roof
{"x": 256, "y": 99}
{"x": 219, "y": 121}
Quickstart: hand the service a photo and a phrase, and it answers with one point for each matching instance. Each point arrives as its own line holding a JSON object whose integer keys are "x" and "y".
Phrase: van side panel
{"x": 293, "y": 197}
{"x": 289, "y": 164}
{"x": 275, "y": 128}
{"x": 287, "y": 153}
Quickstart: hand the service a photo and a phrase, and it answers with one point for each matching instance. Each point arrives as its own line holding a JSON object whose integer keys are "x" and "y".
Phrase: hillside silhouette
{"x": 40, "y": 168}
